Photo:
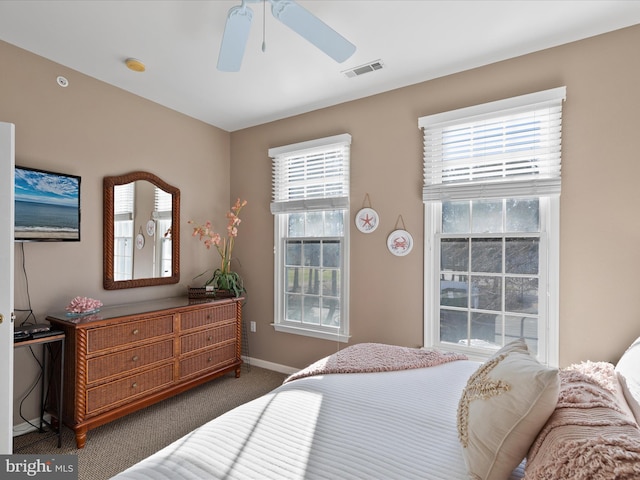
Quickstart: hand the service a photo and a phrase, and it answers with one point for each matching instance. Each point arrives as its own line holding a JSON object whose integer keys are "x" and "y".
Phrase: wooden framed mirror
{"x": 141, "y": 231}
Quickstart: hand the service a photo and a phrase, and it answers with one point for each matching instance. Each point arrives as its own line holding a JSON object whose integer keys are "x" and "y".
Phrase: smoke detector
{"x": 135, "y": 65}
{"x": 362, "y": 69}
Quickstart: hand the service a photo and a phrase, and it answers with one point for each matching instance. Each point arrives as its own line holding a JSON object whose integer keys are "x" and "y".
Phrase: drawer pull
{"x": 209, "y": 316}
{"x": 135, "y": 358}
{"x": 134, "y": 385}
{"x": 209, "y": 359}
{"x": 135, "y": 332}
{"x": 209, "y": 338}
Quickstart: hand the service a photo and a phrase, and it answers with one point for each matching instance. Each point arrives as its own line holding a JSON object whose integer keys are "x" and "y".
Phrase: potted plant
{"x": 224, "y": 281}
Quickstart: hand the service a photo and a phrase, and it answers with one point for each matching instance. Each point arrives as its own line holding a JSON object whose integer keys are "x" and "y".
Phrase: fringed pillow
{"x": 503, "y": 407}
{"x": 591, "y": 434}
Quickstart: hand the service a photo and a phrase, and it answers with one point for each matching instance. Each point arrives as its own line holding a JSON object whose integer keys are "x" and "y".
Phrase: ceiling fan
{"x": 294, "y": 16}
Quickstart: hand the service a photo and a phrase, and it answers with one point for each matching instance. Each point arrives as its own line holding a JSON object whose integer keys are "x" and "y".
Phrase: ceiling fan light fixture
{"x": 135, "y": 65}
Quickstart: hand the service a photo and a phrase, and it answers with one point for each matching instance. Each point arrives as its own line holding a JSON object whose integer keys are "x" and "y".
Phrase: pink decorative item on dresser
{"x": 83, "y": 305}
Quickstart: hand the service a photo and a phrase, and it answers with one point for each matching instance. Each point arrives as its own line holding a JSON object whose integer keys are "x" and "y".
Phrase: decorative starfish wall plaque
{"x": 479, "y": 387}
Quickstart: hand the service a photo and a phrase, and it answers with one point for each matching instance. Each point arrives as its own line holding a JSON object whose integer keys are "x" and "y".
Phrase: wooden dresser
{"x": 128, "y": 357}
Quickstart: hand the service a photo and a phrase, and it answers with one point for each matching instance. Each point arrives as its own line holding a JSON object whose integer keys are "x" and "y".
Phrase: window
{"x": 311, "y": 214}
{"x": 123, "y": 232}
{"x": 491, "y": 193}
{"x": 162, "y": 215}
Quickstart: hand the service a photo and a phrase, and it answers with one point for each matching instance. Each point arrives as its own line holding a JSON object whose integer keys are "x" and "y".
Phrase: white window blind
{"x": 123, "y": 201}
{"x": 311, "y": 175}
{"x": 509, "y": 148}
{"x": 163, "y": 202}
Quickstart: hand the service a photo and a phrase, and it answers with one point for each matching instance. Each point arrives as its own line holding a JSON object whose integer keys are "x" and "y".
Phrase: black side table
{"x": 49, "y": 337}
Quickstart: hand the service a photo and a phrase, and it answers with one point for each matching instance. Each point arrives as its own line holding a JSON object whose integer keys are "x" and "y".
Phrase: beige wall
{"x": 600, "y": 229}
{"x": 94, "y": 130}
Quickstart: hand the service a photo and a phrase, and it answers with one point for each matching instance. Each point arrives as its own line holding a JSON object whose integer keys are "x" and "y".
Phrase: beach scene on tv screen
{"x": 46, "y": 206}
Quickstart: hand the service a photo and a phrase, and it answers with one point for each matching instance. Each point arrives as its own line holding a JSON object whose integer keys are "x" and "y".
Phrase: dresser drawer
{"x": 105, "y": 366}
{"x": 208, "y": 316}
{"x": 208, "y": 360}
{"x": 207, "y": 338}
{"x": 115, "y": 335}
{"x": 110, "y": 394}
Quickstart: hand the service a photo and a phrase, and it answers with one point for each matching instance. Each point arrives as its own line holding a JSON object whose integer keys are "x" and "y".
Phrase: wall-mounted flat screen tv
{"x": 47, "y": 206}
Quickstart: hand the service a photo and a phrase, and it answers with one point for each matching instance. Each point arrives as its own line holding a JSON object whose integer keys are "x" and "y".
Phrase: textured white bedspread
{"x": 388, "y": 425}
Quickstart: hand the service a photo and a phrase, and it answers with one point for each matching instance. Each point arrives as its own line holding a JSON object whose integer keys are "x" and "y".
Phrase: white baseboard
{"x": 26, "y": 427}
{"x": 276, "y": 367}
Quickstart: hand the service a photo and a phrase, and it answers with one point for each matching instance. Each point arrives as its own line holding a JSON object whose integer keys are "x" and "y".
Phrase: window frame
{"x": 162, "y": 216}
{"x": 281, "y": 324}
{"x": 549, "y": 273}
{"x": 123, "y": 221}
{"x": 281, "y": 209}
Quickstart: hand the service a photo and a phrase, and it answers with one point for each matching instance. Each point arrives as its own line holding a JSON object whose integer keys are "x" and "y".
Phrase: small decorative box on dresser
{"x": 128, "y": 357}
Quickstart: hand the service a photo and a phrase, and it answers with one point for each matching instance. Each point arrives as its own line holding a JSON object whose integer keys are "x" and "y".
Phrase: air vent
{"x": 362, "y": 69}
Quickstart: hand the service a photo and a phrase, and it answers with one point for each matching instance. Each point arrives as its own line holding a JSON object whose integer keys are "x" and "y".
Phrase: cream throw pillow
{"x": 505, "y": 404}
{"x": 628, "y": 370}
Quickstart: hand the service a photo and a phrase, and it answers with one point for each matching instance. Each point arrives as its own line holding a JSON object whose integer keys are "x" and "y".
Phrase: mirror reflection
{"x": 141, "y": 243}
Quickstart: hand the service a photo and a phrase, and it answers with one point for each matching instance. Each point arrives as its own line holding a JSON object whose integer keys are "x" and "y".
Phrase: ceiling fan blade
{"x": 308, "y": 26}
{"x": 234, "y": 39}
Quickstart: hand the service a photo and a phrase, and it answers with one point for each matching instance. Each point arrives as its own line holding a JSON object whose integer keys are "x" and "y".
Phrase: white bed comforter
{"x": 389, "y": 425}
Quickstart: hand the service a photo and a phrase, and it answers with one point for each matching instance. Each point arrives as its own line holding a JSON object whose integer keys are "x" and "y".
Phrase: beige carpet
{"x": 112, "y": 448}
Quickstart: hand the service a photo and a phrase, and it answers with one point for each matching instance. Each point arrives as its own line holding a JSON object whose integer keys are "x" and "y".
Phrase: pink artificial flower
{"x": 224, "y": 246}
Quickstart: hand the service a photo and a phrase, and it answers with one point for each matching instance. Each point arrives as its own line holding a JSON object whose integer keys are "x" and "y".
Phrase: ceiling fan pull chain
{"x": 264, "y": 25}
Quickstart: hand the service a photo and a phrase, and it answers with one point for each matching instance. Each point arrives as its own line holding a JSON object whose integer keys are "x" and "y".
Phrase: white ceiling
{"x": 178, "y": 40}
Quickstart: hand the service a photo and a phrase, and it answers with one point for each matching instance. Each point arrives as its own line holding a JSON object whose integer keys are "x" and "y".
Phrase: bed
{"x": 453, "y": 419}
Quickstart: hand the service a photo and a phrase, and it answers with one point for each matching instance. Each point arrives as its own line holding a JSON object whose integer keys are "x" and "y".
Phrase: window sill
{"x": 475, "y": 354}
{"x": 311, "y": 333}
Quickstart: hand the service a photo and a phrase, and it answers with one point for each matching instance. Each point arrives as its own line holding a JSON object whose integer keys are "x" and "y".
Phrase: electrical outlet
{"x": 253, "y": 326}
